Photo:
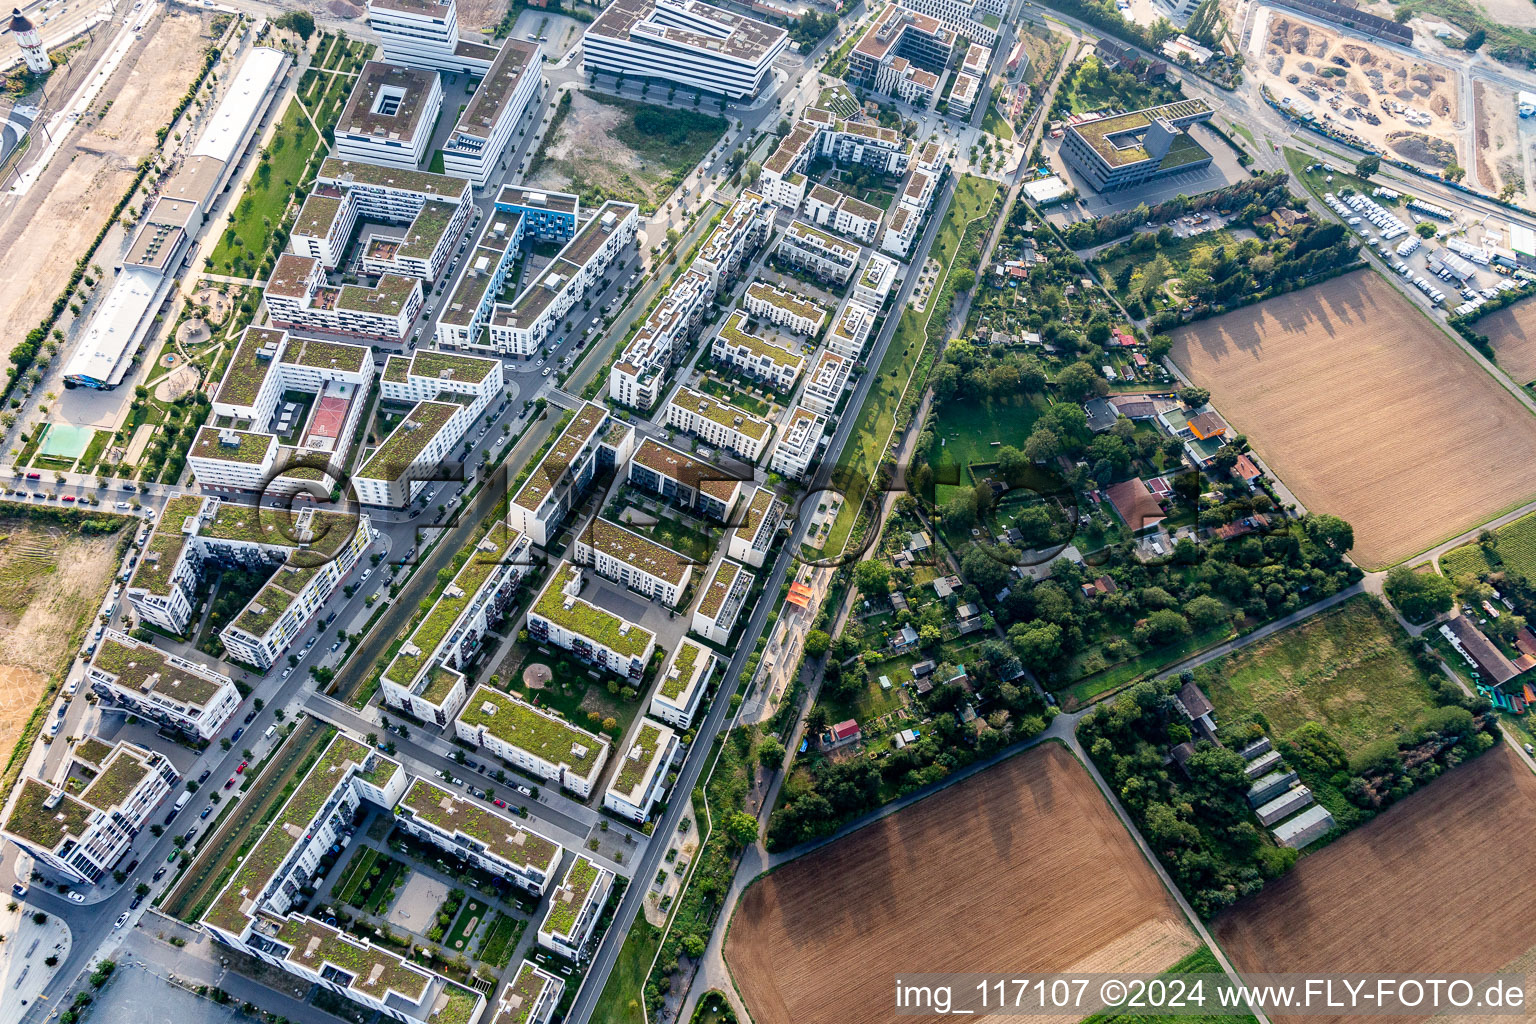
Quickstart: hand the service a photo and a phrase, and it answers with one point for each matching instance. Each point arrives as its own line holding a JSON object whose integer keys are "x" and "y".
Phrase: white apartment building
{"x": 480, "y": 835}
{"x": 963, "y": 94}
{"x": 798, "y": 444}
{"x": 314, "y": 550}
{"x": 825, "y": 383}
{"x": 756, "y": 355}
{"x": 560, "y": 616}
{"x": 902, "y": 54}
{"x": 751, "y": 539}
{"x": 389, "y": 116}
{"x": 520, "y": 327}
{"x": 680, "y": 689}
{"x": 719, "y": 422}
{"x": 532, "y": 739}
{"x": 161, "y": 687}
{"x": 254, "y": 911}
{"x": 784, "y": 308}
{"x": 818, "y": 253}
{"x": 593, "y": 442}
{"x": 850, "y": 331}
{"x": 679, "y": 477}
{"x": 79, "y": 826}
{"x": 426, "y": 676}
{"x": 433, "y": 208}
{"x": 828, "y": 207}
{"x": 486, "y": 268}
{"x": 721, "y": 604}
{"x": 684, "y": 41}
{"x": 399, "y": 468}
{"x": 640, "y": 777}
{"x": 299, "y": 298}
{"x": 966, "y": 20}
{"x": 425, "y": 34}
{"x": 575, "y": 908}
{"x": 427, "y": 375}
{"x": 900, "y": 231}
{"x": 531, "y": 997}
{"x": 223, "y": 458}
{"x": 820, "y": 134}
{"x": 640, "y": 374}
{"x": 918, "y": 191}
{"x": 740, "y": 233}
{"x": 639, "y": 563}
{"x": 484, "y": 130}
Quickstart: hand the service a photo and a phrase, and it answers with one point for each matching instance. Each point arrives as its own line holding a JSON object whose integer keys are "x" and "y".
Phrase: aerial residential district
{"x": 764, "y": 510}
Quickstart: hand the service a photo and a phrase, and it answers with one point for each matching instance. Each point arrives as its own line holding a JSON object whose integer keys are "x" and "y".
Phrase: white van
{"x": 268, "y": 734}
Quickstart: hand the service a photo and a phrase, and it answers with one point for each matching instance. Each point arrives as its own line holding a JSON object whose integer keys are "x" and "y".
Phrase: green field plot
{"x": 383, "y": 892}
{"x": 1513, "y": 550}
{"x": 356, "y": 874}
{"x": 500, "y": 939}
{"x": 971, "y": 432}
{"x": 1348, "y": 669}
{"x": 1201, "y": 961}
{"x": 261, "y": 209}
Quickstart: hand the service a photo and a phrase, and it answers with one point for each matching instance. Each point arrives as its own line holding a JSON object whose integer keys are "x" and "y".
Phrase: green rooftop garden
{"x": 718, "y": 410}
{"x": 244, "y": 377}
{"x": 161, "y": 553}
{"x": 116, "y": 781}
{"x": 570, "y": 898}
{"x": 460, "y": 368}
{"x": 527, "y": 986}
{"x": 336, "y": 169}
{"x": 326, "y": 355}
{"x": 797, "y": 304}
{"x": 538, "y": 732}
{"x": 397, "y": 369}
{"x": 274, "y": 598}
{"x": 632, "y": 770}
{"x": 501, "y": 835}
{"x": 459, "y": 1007}
{"x": 408, "y": 440}
{"x": 178, "y": 510}
{"x": 719, "y": 586}
{"x": 559, "y": 458}
{"x": 387, "y": 298}
{"x": 733, "y": 333}
{"x": 587, "y": 620}
{"x": 247, "y": 447}
{"x": 374, "y": 970}
{"x": 93, "y": 749}
{"x": 45, "y": 826}
{"x": 680, "y": 675}
{"x": 427, "y": 230}
{"x": 456, "y": 597}
{"x": 133, "y": 664}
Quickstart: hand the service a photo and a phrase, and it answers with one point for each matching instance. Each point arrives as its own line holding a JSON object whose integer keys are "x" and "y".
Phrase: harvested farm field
{"x": 1022, "y": 867}
{"x": 1512, "y": 333}
{"x": 1366, "y": 410}
{"x": 1378, "y": 900}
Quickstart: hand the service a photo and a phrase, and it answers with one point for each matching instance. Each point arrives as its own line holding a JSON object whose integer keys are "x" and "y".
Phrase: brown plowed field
{"x": 1365, "y": 409}
{"x": 1512, "y": 333}
{"x": 1021, "y": 868}
{"x": 1434, "y": 885}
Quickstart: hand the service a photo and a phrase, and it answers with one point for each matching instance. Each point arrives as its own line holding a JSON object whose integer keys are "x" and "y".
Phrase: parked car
{"x": 76, "y": 897}
{"x": 238, "y": 733}
{"x": 159, "y": 874}
{"x": 499, "y": 802}
{"x": 243, "y": 766}
{"x": 204, "y": 777}
{"x": 206, "y": 811}
{"x": 131, "y": 865}
{"x": 230, "y": 784}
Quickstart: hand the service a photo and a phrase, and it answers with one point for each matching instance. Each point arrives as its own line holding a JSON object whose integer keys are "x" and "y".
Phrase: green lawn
{"x": 575, "y": 694}
{"x": 355, "y": 874}
{"x": 622, "y": 1001}
{"x": 997, "y": 125}
{"x": 1132, "y": 670}
{"x": 1348, "y": 669}
{"x": 1201, "y": 961}
{"x": 1514, "y": 550}
{"x": 383, "y": 889}
{"x": 500, "y": 939}
{"x": 968, "y": 429}
{"x": 260, "y": 211}
{"x": 723, "y": 391}
{"x": 877, "y": 417}
{"x": 470, "y": 918}
{"x": 436, "y": 164}
{"x": 1180, "y": 253}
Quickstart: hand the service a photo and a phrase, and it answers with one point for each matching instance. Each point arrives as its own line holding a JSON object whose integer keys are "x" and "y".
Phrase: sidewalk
{"x": 23, "y": 972}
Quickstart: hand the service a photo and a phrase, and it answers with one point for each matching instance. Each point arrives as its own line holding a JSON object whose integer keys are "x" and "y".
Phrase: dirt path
{"x": 44, "y": 233}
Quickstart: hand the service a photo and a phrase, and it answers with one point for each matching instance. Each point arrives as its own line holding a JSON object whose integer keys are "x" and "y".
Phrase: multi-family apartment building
{"x": 480, "y": 835}
{"x": 389, "y": 117}
{"x": 521, "y": 326}
{"x": 560, "y": 616}
{"x": 902, "y": 54}
{"x": 679, "y": 477}
{"x": 684, "y": 41}
{"x": 575, "y": 908}
{"x": 740, "y": 233}
{"x": 536, "y": 741}
{"x": 820, "y": 254}
{"x": 636, "y": 561}
{"x": 819, "y": 134}
{"x": 784, "y": 308}
{"x": 1136, "y": 147}
{"x": 641, "y": 373}
{"x": 433, "y": 208}
{"x": 486, "y": 268}
{"x": 963, "y": 94}
{"x": 977, "y": 21}
{"x": 798, "y": 443}
{"x": 900, "y": 231}
{"x": 680, "y": 688}
{"x": 851, "y": 330}
{"x": 161, "y": 687}
{"x": 425, "y": 34}
{"x": 255, "y": 914}
{"x": 426, "y": 676}
{"x": 400, "y": 467}
{"x": 757, "y": 356}
{"x": 299, "y": 297}
{"x": 825, "y": 384}
{"x": 751, "y": 539}
{"x": 640, "y": 776}
{"x": 531, "y": 997}
{"x": 593, "y": 442}
{"x": 828, "y": 207}
{"x": 79, "y": 825}
{"x": 548, "y": 216}
{"x": 226, "y": 459}
{"x": 483, "y": 131}
{"x": 719, "y": 422}
{"x": 721, "y": 603}
{"x": 313, "y": 550}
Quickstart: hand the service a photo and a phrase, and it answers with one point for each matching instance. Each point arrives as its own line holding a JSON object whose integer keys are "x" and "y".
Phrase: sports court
{"x": 329, "y": 417}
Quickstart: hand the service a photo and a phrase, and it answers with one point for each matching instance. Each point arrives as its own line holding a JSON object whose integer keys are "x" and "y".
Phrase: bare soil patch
{"x": 1365, "y": 89}
{"x": 1521, "y": 13}
{"x": 1376, "y": 900}
{"x": 1499, "y": 159}
{"x": 1021, "y": 868}
{"x": 1512, "y": 333}
{"x": 1366, "y": 410}
{"x": 51, "y": 584}
{"x": 48, "y": 230}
